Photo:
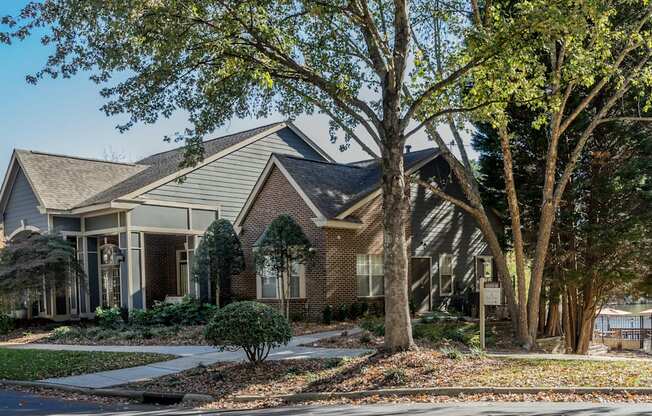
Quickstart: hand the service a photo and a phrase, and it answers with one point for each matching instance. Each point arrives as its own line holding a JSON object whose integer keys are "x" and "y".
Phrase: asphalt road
{"x": 16, "y": 403}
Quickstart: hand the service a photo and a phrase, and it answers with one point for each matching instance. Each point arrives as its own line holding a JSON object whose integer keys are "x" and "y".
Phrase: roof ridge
{"x": 404, "y": 154}
{"x": 88, "y": 159}
{"x": 264, "y": 126}
{"x": 323, "y": 162}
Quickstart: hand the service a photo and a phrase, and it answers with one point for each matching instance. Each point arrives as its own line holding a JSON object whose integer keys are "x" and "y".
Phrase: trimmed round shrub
{"x": 252, "y": 326}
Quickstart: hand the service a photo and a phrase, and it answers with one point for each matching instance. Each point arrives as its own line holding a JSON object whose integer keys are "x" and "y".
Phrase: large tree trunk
{"x": 517, "y": 235}
{"x": 476, "y": 210}
{"x": 398, "y": 329}
{"x": 579, "y": 318}
{"x": 553, "y": 328}
{"x": 585, "y": 333}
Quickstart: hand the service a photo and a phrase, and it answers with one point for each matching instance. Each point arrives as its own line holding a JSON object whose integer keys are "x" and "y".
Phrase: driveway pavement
{"x": 17, "y": 403}
{"x": 189, "y": 357}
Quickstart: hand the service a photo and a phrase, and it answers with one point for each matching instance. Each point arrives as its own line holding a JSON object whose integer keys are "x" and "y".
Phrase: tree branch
{"x": 446, "y": 197}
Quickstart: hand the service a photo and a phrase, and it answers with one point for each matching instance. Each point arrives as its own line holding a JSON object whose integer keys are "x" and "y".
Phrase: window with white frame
{"x": 369, "y": 269}
{"x": 446, "y": 277}
{"x": 269, "y": 286}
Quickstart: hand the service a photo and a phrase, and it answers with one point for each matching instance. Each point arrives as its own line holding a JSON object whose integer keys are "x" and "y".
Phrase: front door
{"x": 182, "y": 273}
{"x": 420, "y": 283}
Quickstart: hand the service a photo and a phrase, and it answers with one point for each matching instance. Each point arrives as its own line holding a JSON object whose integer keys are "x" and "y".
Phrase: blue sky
{"x": 63, "y": 115}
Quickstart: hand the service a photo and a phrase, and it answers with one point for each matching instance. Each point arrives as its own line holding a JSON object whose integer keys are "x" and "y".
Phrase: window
{"x": 446, "y": 277}
{"x": 369, "y": 269}
{"x": 269, "y": 286}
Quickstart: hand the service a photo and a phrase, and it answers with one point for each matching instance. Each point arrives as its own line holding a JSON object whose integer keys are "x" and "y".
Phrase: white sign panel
{"x": 492, "y": 296}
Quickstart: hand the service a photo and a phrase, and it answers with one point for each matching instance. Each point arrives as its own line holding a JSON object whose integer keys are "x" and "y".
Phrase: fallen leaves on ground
{"x": 422, "y": 368}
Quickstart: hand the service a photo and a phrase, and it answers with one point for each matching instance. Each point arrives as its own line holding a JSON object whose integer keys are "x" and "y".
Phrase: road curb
{"x": 138, "y": 395}
{"x": 443, "y": 391}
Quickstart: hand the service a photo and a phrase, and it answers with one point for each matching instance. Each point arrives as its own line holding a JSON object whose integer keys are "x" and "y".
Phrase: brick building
{"x": 338, "y": 207}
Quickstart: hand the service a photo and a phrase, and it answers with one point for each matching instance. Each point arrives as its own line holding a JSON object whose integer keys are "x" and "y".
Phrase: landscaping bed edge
{"x": 171, "y": 398}
{"x": 442, "y": 391}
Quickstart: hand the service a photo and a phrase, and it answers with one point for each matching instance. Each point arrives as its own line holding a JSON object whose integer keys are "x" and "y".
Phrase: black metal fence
{"x": 627, "y": 332}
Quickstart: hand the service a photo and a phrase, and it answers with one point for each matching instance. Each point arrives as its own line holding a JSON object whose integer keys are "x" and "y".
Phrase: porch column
{"x": 134, "y": 247}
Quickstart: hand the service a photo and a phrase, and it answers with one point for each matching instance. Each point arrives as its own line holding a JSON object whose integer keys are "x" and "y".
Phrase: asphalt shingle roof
{"x": 334, "y": 187}
{"x": 65, "y": 181}
{"x": 164, "y": 164}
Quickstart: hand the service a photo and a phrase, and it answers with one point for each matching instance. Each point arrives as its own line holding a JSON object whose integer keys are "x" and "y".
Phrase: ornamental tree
{"x": 218, "y": 257}
{"x": 282, "y": 246}
{"x": 32, "y": 262}
{"x": 364, "y": 64}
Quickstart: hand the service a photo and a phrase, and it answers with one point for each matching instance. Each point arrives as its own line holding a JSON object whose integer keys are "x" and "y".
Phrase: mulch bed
{"x": 422, "y": 368}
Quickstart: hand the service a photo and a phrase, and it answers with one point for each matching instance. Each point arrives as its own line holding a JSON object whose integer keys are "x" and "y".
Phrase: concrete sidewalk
{"x": 190, "y": 356}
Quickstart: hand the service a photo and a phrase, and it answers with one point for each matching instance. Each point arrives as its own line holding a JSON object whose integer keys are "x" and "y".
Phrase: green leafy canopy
{"x": 219, "y": 254}
{"x": 31, "y": 260}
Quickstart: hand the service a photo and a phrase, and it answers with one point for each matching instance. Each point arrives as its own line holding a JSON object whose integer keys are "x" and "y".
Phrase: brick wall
{"x": 160, "y": 266}
{"x": 331, "y": 278}
{"x": 278, "y": 197}
{"x": 344, "y": 245}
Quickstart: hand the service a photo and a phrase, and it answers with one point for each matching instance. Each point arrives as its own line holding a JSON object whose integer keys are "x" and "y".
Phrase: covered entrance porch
{"x": 167, "y": 268}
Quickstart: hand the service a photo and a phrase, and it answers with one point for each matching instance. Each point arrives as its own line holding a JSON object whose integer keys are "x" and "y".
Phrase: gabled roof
{"x": 331, "y": 189}
{"x": 69, "y": 183}
{"x": 164, "y": 167}
{"x": 61, "y": 182}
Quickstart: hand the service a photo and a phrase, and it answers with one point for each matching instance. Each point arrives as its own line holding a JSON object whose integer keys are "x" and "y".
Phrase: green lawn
{"x": 19, "y": 364}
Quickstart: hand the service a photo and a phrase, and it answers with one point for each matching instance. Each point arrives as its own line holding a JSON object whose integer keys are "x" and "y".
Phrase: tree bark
{"x": 553, "y": 328}
{"x": 398, "y": 329}
{"x": 476, "y": 209}
{"x": 542, "y": 314}
{"x": 517, "y": 236}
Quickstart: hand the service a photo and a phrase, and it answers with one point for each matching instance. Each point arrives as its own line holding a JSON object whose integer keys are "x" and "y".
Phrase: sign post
{"x": 482, "y": 346}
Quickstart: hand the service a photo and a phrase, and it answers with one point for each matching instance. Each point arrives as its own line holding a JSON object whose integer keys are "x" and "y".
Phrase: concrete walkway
{"x": 190, "y": 356}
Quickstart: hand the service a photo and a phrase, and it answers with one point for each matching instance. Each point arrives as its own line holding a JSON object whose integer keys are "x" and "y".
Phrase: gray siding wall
{"x": 228, "y": 181}
{"x": 439, "y": 227}
{"x": 23, "y": 205}
{"x": 161, "y": 217}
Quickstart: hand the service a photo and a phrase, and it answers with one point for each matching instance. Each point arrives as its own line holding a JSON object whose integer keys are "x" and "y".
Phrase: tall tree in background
{"x": 600, "y": 242}
{"x": 218, "y": 257}
{"x": 580, "y": 59}
{"x": 364, "y": 64}
{"x": 604, "y": 240}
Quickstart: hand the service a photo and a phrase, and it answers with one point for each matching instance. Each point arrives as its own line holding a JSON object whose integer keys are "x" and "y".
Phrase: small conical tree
{"x": 282, "y": 245}
{"x": 218, "y": 257}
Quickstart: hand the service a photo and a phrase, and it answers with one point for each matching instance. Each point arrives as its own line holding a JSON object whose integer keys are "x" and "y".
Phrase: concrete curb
{"x": 138, "y": 395}
{"x": 174, "y": 398}
{"x": 444, "y": 391}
